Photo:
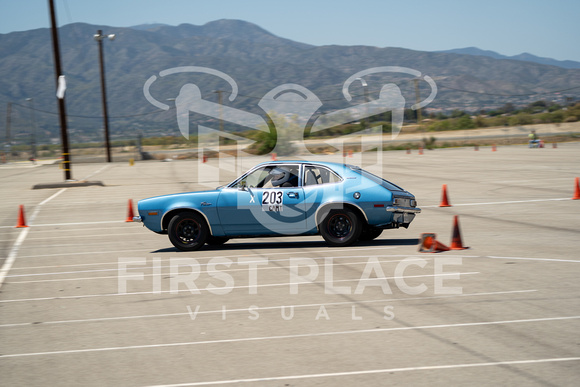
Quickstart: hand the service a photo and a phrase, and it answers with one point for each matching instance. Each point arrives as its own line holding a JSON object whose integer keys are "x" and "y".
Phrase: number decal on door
{"x": 272, "y": 201}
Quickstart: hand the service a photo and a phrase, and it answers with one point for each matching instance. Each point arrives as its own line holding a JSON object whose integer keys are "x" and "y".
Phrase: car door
{"x": 267, "y": 201}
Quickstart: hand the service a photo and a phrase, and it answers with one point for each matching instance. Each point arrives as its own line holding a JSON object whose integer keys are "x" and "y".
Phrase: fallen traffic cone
{"x": 444, "y": 199}
{"x": 21, "y": 219}
{"x": 130, "y": 213}
{"x": 456, "y": 242}
{"x": 430, "y": 244}
{"x": 577, "y": 190}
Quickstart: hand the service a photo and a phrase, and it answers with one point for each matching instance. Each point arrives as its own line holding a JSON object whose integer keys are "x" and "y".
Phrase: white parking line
{"x": 18, "y": 243}
{"x": 506, "y": 202}
{"x": 370, "y": 372}
{"x": 282, "y": 337}
{"x": 224, "y": 270}
{"x": 536, "y": 259}
{"x": 302, "y": 251}
{"x": 229, "y": 288}
{"x": 72, "y": 224}
{"x": 220, "y": 311}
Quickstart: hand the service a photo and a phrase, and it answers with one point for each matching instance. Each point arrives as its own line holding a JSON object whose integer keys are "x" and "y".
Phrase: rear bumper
{"x": 137, "y": 219}
{"x": 406, "y": 210}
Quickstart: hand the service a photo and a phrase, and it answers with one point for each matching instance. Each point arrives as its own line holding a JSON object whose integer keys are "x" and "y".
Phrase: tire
{"x": 216, "y": 241}
{"x": 188, "y": 231}
{"x": 341, "y": 227}
{"x": 369, "y": 233}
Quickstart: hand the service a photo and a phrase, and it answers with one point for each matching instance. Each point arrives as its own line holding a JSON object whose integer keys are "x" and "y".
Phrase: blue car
{"x": 343, "y": 203}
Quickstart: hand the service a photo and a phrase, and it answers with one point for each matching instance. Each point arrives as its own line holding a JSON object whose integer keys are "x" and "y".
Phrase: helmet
{"x": 279, "y": 176}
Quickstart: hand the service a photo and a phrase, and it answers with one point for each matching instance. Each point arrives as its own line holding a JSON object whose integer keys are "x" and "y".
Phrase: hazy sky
{"x": 510, "y": 27}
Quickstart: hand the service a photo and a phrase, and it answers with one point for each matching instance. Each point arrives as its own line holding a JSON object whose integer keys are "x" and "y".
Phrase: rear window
{"x": 375, "y": 179}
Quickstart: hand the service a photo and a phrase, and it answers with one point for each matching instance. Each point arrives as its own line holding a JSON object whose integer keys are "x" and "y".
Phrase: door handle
{"x": 293, "y": 195}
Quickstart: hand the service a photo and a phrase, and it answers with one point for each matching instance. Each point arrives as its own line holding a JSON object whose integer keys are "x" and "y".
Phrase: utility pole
{"x": 8, "y": 146}
{"x": 32, "y": 129}
{"x": 418, "y": 101}
{"x": 99, "y": 38}
{"x": 60, "y": 97}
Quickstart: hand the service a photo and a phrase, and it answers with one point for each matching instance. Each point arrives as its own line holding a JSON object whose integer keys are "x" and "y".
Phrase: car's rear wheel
{"x": 188, "y": 231}
{"x": 216, "y": 241}
{"x": 341, "y": 227}
{"x": 369, "y": 233}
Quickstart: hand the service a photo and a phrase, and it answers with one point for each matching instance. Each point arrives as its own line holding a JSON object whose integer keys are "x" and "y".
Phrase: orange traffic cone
{"x": 444, "y": 199}
{"x": 493, "y": 148}
{"x": 430, "y": 244}
{"x": 577, "y": 190}
{"x": 274, "y": 156}
{"x": 456, "y": 242}
{"x": 420, "y": 150}
{"x": 130, "y": 213}
{"x": 21, "y": 219}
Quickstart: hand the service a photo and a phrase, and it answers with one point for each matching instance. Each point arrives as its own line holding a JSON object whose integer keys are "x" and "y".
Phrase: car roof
{"x": 332, "y": 165}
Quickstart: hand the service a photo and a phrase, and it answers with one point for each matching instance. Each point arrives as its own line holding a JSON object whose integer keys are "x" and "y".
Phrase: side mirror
{"x": 242, "y": 185}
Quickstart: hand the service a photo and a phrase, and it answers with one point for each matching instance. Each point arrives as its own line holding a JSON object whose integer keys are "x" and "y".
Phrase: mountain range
{"x": 526, "y": 57}
{"x": 256, "y": 60}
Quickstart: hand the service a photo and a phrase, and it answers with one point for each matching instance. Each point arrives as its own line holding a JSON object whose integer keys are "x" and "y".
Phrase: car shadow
{"x": 240, "y": 244}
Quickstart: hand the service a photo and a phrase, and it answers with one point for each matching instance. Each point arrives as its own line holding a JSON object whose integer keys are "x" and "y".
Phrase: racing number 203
{"x": 272, "y": 201}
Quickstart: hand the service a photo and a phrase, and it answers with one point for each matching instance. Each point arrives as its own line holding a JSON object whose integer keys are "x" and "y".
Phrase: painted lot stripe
{"x": 376, "y": 371}
{"x": 229, "y": 288}
{"x": 20, "y": 240}
{"x": 506, "y": 202}
{"x": 296, "y": 336}
{"x": 220, "y": 311}
{"x": 212, "y": 271}
{"x": 536, "y": 259}
{"x": 302, "y": 251}
{"x": 87, "y": 236}
{"x": 238, "y": 256}
{"x": 73, "y": 224}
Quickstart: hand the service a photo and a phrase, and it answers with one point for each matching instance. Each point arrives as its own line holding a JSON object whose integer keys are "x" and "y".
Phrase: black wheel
{"x": 341, "y": 227}
{"x": 369, "y": 233}
{"x": 216, "y": 241}
{"x": 188, "y": 231}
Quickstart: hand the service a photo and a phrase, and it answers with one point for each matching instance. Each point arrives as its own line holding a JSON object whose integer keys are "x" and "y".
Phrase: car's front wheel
{"x": 341, "y": 227}
{"x": 188, "y": 231}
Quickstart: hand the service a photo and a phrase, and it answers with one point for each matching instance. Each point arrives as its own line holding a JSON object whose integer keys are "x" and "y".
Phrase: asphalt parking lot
{"x": 89, "y": 299}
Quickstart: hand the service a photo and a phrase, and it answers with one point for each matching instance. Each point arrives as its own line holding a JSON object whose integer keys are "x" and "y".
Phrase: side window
{"x": 319, "y": 175}
{"x": 281, "y": 176}
{"x": 255, "y": 179}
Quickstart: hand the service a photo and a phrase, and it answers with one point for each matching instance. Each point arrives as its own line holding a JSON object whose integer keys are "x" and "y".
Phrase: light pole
{"x": 99, "y": 38}
{"x": 33, "y": 129}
